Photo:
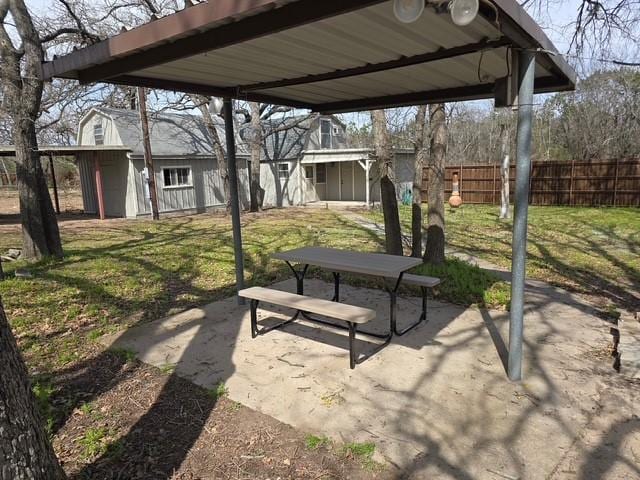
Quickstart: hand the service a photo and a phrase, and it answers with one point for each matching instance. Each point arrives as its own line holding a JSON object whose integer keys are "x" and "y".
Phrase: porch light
{"x": 463, "y": 12}
{"x": 215, "y": 106}
{"x": 408, "y": 11}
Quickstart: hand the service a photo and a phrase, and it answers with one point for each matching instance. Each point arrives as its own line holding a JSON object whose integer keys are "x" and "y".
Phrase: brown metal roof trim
{"x": 515, "y": 23}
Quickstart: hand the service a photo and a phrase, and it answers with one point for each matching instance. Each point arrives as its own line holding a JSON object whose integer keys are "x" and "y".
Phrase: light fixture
{"x": 408, "y": 11}
{"x": 463, "y": 12}
{"x": 215, "y": 106}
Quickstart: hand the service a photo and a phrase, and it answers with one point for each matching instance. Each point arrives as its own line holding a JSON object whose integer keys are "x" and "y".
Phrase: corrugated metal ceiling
{"x": 367, "y": 36}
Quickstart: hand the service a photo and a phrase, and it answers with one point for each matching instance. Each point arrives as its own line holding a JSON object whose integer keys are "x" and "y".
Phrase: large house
{"x": 304, "y": 160}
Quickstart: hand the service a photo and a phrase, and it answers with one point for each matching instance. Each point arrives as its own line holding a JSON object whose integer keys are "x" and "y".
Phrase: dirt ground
{"x": 177, "y": 430}
{"x": 70, "y": 201}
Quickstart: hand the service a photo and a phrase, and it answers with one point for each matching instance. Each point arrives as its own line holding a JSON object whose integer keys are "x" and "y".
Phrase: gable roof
{"x": 285, "y": 138}
{"x": 171, "y": 134}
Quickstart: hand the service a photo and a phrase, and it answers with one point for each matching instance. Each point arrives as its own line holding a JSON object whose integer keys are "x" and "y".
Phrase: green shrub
{"x": 467, "y": 284}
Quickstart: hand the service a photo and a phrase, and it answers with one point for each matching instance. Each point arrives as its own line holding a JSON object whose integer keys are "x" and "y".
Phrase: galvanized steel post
{"x": 526, "y": 72}
{"x": 233, "y": 192}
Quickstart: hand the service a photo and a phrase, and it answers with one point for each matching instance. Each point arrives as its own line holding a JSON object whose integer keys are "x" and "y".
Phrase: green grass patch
{"x": 220, "y": 391}
{"x": 314, "y": 442}
{"x": 43, "y": 391}
{"x": 467, "y": 284}
{"x": 124, "y": 354}
{"x": 363, "y": 452}
{"x": 94, "y": 442}
{"x": 588, "y": 250}
{"x": 168, "y": 368}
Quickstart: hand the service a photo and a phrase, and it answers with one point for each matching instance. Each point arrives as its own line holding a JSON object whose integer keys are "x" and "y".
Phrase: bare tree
{"x": 504, "y": 171}
{"x": 202, "y": 104}
{"x": 421, "y": 151}
{"x": 434, "y": 251}
{"x": 384, "y": 155}
{"x": 25, "y": 450}
{"x": 256, "y": 192}
{"x": 22, "y": 93}
{"x": 148, "y": 157}
{"x": 599, "y": 26}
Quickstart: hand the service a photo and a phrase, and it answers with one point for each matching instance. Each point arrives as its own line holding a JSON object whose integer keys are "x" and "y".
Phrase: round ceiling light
{"x": 215, "y": 106}
{"x": 463, "y": 12}
{"x": 408, "y": 11}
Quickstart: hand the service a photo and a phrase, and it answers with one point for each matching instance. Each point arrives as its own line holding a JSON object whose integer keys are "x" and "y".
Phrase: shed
{"x": 187, "y": 175}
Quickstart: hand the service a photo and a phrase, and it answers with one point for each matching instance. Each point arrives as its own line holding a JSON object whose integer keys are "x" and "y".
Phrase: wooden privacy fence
{"x": 597, "y": 183}
{"x": 7, "y": 179}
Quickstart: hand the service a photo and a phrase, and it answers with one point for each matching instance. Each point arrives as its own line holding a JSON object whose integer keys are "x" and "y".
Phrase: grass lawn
{"x": 124, "y": 272}
{"x": 594, "y": 251}
{"x": 104, "y": 409}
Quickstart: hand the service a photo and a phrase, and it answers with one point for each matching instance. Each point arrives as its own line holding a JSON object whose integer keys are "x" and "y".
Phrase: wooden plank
{"x": 327, "y": 308}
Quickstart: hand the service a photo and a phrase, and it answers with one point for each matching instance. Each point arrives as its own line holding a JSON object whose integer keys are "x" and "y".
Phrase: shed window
{"x": 176, "y": 177}
{"x": 325, "y": 133}
{"x": 308, "y": 172}
{"x": 283, "y": 171}
{"x": 98, "y": 134}
{"x": 321, "y": 173}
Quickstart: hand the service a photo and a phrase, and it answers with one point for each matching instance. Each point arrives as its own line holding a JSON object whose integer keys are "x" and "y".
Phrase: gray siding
{"x": 339, "y": 139}
{"x": 205, "y": 192}
{"x": 87, "y": 182}
{"x": 280, "y": 192}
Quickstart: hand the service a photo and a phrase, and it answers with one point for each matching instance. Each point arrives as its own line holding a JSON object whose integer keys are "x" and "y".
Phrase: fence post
{"x": 615, "y": 183}
{"x": 573, "y": 164}
{"x": 493, "y": 194}
{"x": 460, "y": 182}
{"x": 530, "y": 183}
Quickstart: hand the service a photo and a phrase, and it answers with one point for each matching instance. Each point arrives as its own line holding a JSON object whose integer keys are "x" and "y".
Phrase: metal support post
{"x": 526, "y": 73}
{"x": 235, "y": 199}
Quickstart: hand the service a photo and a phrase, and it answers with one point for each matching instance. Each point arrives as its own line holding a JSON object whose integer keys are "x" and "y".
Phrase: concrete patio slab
{"x": 436, "y": 402}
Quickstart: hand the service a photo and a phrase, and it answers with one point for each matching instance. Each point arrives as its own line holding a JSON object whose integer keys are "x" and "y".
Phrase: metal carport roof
{"x": 328, "y": 56}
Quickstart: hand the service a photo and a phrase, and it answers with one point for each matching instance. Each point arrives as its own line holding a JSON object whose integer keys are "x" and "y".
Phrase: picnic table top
{"x": 377, "y": 264}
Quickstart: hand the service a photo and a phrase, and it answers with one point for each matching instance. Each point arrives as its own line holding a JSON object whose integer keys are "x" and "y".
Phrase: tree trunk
{"x": 504, "y": 171}
{"x": 255, "y": 190}
{"x": 148, "y": 158}
{"x": 25, "y": 450}
{"x": 392, "y": 232}
{"x": 434, "y": 252}
{"x": 389, "y": 200}
{"x": 40, "y": 233}
{"x": 420, "y": 153}
{"x": 202, "y": 103}
{"x": 22, "y": 94}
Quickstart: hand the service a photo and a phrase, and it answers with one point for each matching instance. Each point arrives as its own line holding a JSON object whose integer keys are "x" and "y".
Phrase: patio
{"x": 435, "y": 402}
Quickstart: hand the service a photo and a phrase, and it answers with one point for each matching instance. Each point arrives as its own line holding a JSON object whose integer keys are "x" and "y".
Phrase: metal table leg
{"x": 255, "y": 331}
{"x": 299, "y": 277}
{"x": 423, "y": 315}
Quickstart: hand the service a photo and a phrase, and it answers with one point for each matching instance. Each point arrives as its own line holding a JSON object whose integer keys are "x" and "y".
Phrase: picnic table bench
{"x": 390, "y": 268}
{"x": 350, "y": 314}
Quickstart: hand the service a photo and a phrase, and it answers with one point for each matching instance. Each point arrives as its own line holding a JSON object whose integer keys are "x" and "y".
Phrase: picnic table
{"x": 390, "y": 268}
